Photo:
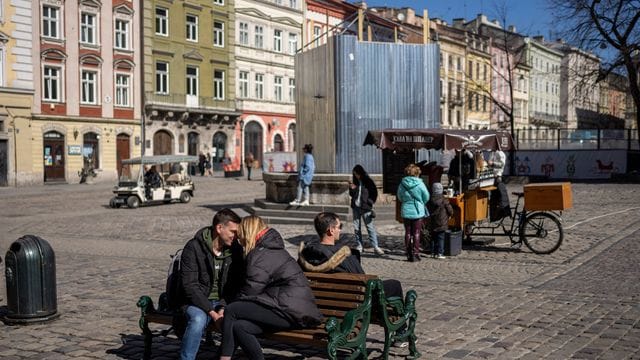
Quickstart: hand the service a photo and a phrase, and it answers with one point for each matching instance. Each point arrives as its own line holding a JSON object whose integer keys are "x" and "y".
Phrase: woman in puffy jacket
{"x": 414, "y": 196}
{"x": 276, "y": 294}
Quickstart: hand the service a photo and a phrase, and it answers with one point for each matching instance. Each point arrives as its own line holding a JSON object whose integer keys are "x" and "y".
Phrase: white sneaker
{"x": 295, "y": 203}
{"x": 440, "y": 257}
{"x": 360, "y": 249}
{"x": 305, "y": 203}
{"x": 378, "y": 251}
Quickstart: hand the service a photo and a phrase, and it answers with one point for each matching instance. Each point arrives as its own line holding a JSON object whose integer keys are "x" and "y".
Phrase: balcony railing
{"x": 191, "y": 102}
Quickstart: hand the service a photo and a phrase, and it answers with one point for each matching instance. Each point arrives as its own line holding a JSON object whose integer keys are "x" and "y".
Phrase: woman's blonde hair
{"x": 412, "y": 170}
{"x": 248, "y": 230}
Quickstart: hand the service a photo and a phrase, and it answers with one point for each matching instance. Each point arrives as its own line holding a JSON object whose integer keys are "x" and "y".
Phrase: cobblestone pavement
{"x": 489, "y": 302}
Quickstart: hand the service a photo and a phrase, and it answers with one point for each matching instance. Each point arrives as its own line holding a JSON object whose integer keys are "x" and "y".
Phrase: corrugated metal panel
{"x": 377, "y": 86}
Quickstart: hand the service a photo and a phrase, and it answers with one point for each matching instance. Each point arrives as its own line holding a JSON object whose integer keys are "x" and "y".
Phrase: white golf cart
{"x": 138, "y": 185}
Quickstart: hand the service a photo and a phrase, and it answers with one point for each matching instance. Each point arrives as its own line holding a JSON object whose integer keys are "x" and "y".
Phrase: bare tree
{"x": 608, "y": 28}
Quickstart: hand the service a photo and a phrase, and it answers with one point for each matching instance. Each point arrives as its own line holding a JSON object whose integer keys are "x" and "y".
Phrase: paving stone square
{"x": 486, "y": 303}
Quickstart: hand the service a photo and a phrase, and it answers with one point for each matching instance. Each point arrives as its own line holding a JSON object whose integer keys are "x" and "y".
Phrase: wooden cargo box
{"x": 548, "y": 196}
{"x": 475, "y": 205}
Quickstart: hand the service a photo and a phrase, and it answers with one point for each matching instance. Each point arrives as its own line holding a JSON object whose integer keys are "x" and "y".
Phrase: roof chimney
{"x": 458, "y": 23}
{"x": 512, "y": 28}
{"x": 539, "y": 38}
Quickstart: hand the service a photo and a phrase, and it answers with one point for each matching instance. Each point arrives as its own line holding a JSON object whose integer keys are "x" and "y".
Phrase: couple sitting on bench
{"x": 252, "y": 286}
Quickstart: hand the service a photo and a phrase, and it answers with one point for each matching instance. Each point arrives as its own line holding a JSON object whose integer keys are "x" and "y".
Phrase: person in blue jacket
{"x": 305, "y": 175}
{"x": 413, "y": 194}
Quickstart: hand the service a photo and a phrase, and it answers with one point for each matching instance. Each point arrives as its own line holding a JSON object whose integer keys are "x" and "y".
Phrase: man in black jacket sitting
{"x": 212, "y": 270}
{"x": 327, "y": 257}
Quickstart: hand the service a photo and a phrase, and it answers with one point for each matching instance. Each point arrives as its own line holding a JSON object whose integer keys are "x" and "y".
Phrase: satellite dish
{"x": 400, "y": 17}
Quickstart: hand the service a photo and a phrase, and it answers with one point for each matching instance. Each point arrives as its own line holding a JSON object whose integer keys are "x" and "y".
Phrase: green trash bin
{"x": 30, "y": 274}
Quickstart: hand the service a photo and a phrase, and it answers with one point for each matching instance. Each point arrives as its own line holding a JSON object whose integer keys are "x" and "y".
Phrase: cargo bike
{"x": 536, "y": 218}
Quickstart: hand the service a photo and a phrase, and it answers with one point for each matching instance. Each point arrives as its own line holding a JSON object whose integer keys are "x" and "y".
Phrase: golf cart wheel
{"x": 185, "y": 197}
{"x": 133, "y": 202}
{"x": 113, "y": 204}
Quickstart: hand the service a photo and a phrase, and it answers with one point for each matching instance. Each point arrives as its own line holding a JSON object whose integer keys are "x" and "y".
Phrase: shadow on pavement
{"x": 218, "y": 207}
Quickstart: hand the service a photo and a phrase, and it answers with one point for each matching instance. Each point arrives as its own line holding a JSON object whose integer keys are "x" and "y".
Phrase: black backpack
{"x": 174, "y": 290}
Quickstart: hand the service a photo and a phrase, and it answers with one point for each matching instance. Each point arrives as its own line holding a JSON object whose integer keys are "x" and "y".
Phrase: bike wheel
{"x": 542, "y": 233}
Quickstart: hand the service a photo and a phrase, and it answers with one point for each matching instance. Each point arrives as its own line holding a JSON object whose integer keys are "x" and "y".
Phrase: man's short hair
{"x": 323, "y": 221}
{"x": 224, "y": 216}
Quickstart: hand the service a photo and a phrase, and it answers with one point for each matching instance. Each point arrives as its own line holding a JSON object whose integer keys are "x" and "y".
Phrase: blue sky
{"x": 529, "y": 17}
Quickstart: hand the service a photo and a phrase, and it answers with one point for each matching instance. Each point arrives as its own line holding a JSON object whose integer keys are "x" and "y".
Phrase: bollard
{"x": 30, "y": 274}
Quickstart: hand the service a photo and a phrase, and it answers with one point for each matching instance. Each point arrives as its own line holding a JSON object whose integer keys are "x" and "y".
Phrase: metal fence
{"x": 577, "y": 139}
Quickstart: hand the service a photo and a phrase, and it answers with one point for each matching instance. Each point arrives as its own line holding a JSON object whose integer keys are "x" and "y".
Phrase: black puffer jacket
{"x": 368, "y": 194}
{"x": 197, "y": 272}
{"x": 440, "y": 211}
{"x": 274, "y": 279}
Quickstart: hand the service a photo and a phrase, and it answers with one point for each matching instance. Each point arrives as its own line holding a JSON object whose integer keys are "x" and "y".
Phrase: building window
{"x": 51, "y": 83}
{"x": 259, "y": 34}
{"x": 317, "y": 30}
{"x": 277, "y": 88}
{"x": 162, "y": 21}
{"x": 243, "y": 84}
{"x": 293, "y": 4}
{"x": 259, "y": 86}
{"x": 277, "y": 40}
{"x": 88, "y": 28}
{"x": 459, "y": 63}
{"x": 89, "y": 87}
{"x": 218, "y": 34}
{"x": 122, "y": 34}
{"x": 470, "y": 69}
{"x": 192, "y": 80}
{"x": 292, "y": 89}
{"x": 162, "y": 78}
{"x": 293, "y": 43}
{"x": 192, "y": 28}
{"x": 243, "y": 36}
{"x": 218, "y": 2}
{"x": 50, "y": 21}
{"x": 484, "y": 74}
{"x": 218, "y": 84}
{"x": 1, "y": 66}
{"x": 123, "y": 83}
{"x": 90, "y": 151}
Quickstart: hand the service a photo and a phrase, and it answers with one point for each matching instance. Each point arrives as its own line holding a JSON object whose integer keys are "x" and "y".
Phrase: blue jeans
{"x": 301, "y": 187}
{"x": 437, "y": 243}
{"x": 197, "y": 322}
{"x": 358, "y": 216}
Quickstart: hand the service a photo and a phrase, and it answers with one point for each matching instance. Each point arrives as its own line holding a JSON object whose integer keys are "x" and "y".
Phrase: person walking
{"x": 275, "y": 296}
{"x": 440, "y": 210}
{"x": 305, "y": 176}
{"x": 413, "y": 194}
{"x": 249, "y": 163}
{"x": 364, "y": 194}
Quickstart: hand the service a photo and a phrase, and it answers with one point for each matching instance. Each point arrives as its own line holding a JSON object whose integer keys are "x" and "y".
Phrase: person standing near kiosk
{"x": 413, "y": 194}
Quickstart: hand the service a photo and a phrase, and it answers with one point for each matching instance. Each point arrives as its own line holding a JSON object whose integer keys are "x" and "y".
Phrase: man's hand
{"x": 217, "y": 317}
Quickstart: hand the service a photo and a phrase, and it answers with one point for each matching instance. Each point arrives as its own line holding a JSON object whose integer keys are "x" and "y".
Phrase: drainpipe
{"x": 15, "y": 143}
{"x": 141, "y": 67}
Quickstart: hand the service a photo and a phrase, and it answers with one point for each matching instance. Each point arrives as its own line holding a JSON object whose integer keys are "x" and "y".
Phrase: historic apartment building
{"x": 16, "y": 93}
{"x": 268, "y": 36}
{"x": 86, "y": 105}
{"x": 544, "y": 87}
{"x": 189, "y": 79}
{"x": 478, "y": 81}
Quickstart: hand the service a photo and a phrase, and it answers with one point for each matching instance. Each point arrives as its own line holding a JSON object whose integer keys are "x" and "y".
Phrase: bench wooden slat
{"x": 338, "y": 295}
{"x": 336, "y": 304}
{"x": 359, "y": 289}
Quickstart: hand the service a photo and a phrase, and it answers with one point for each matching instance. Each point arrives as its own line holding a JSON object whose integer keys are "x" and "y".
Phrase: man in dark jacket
{"x": 327, "y": 257}
{"x": 212, "y": 270}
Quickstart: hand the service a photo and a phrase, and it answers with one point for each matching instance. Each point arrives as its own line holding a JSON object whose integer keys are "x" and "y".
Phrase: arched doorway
{"x": 278, "y": 143}
{"x": 253, "y": 140}
{"x": 123, "y": 151}
{"x": 292, "y": 137}
{"x": 53, "y": 145}
{"x": 162, "y": 143}
{"x": 218, "y": 150}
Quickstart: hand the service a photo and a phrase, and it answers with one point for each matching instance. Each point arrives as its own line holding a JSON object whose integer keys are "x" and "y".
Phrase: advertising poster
{"x": 279, "y": 162}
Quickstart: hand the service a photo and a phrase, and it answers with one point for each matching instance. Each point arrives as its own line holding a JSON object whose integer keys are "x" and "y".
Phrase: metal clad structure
{"x": 376, "y": 86}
